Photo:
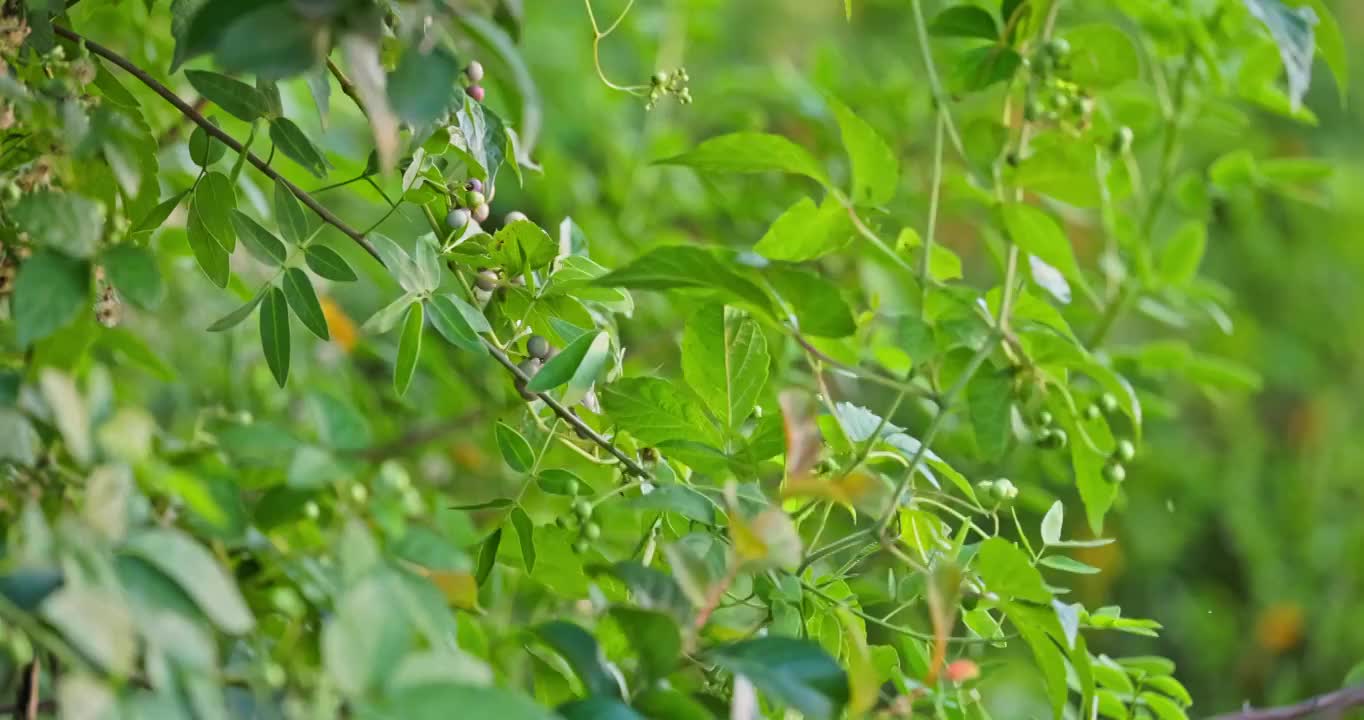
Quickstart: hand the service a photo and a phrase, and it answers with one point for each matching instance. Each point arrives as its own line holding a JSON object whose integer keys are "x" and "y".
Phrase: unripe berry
{"x": 457, "y": 218}
{"x": 538, "y": 347}
{"x": 481, "y": 212}
{"x": 1125, "y": 451}
{"x": 591, "y": 531}
{"x": 1044, "y": 419}
{"x": 474, "y": 72}
{"x": 1114, "y": 472}
{"x": 1004, "y": 490}
{"x": 514, "y": 216}
{"x": 1092, "y": 413}
{"x": 581, "y": 546}
{"x": 1108, "y": 403}
{"x": 311, "y": 510}
{"x": 476, "y": 92}
{"x": 1058, "y": 47}
{"x": 582, "y": 508}
{"x": 359, "y": 493}
{"x": 660, "y": 78}
{"x": 474, "y": 199}
{"x": 487, "y": 280}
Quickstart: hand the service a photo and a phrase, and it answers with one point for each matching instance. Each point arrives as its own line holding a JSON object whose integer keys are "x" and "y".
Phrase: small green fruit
{"x": 1125, "y": 451}
{"x": 1108, "y": 403}
{"x": 1058, "y": 48}
{"x": 582, "y": 508}
{"x": 457, "y": 219}
{"x": 660, "y": 78}
{"x": 591, "y": 531}
{"x": 1114, "y": 472}
{"x": 475, "y": 198}
{"x": 1093, "y": 413}
{"x": 1004, "y": 491}
{"x": 487, "y": 280}
{"x": 1045, "y": 419}
{"x": 581, "y": 546}
{"x": 538, "y": 347}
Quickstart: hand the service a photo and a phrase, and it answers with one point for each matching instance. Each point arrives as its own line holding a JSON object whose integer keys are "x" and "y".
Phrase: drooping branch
{"x": 217, "y": 133}
{"x": 583, "y": 429}
{"x": 1331, "y": 704}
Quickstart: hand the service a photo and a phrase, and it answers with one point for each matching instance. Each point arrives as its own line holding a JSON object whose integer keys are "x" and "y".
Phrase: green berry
{"x": 591, "y": 531}
{"x": 1109, "y": 403}
{"x": 581, "y": 546}
{"x": 457, "y": 219}
{"x": 660, "y": 78}
{"x": 1058, "y": 48}
{"x": 475, "y": 198}
{"x": 986, "y": 488}
{"x": 1092, "y": 413}
{"x": 1004, "y": 491}
{"x": 311, "y": 510}
{"x": 538, "y": 347}
{"x": 1045, "y": 419}
{"x": 359, "y": 493}
{"x": 1125, "y": 451}
{"x": 571, "y": 486}
{"x": 582, "y": 508}
{"x": 487, "y": 280}
{"x": 1114, "y": 472}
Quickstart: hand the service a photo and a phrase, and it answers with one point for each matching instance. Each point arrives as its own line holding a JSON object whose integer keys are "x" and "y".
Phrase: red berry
{"x": 475, "y": 92}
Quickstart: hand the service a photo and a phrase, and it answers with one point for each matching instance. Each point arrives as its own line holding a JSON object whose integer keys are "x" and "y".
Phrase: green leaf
{"x": 685, "y": 266}
{"x": 796, "y": 673}
{"x": 1163, "y": 707}
{"x": 943, "y": 264}
{"x": 487, "y": 555}
{"x": 818, "y": 304}
{"x": 409, "y": 349}
{"x": 298, "y": 290}
{"x": 750, "y": 152}
{"x": 805, "y": 232}
{"x": 204, "y": 149}
{"x": 652, "y": 589}
{"x": 1183, "y": 252}
{"x": 198, "y": 573}
{"x": 293, "y": 221}
{"x": 655, "y": 638}
{"x": 597, "y": 708}
{"x": 1008, "y": 573}
{"x": 158, "y": 215}
{"x": 1049, "y": 658}
{"x": 63, "y": 221}
{"x": 1038, "y": 234}
{"x": 1052, "y": 522}
{"x": 725, "y": 360}
{"x": 580, "y": 650}
{"x": 296, "y": 146}
{"x": 989, "y": 397}
{"x": 557, "y": 481}
{"x": 364, "y": 638}
{"x": 521, "y": 246}
{"x": 680, "y": 499}
{"x": 450, "y": 315}
{"x": 577, "y": 365}
{"x": 516, "y": 451}
{"x": 133, "y": 271}
{"x": 19, "y": 444}
{"x": 875, "y": 169}
{"x": 274, "y": 334}
{"x": 667, "y": 704}
{"x": 438, "y": 701}
{"x": 1293, "y": 31}
{"x": 1066, "y": 564}
{"x": 482, "y": 139}
{"x": 655, "y": 411}
{"x": 99, "y": 624}
{"x": 1102, "y": 56}
{"x": 525, "y": 534}
{"x": 424, "y": 85}
{"x": 979, "y": 68}
{"x": 399, "y": 263}
{"x": 964, "y": 21}
{"x": 273, "y": 42}
{"x": 261, "y": 243}
{"x": 235, "y": 97}
{"x": 50, "y": 290}
{"x": 236, "y": 317}
{"x": 1330, "y": 43}
{"x": 328, "y": 263}
{"x": 215, "y": 200}
{"x": 212, "y": 259}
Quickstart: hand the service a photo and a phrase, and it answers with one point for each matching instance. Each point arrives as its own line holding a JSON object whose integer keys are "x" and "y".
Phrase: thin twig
{"x": 216, "y": 132}
{"x": 347, "y": 86}
{"x": 1334, "y": 703}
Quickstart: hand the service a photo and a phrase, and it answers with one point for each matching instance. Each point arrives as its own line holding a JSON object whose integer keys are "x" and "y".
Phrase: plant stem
{"x": 214, "y": 131}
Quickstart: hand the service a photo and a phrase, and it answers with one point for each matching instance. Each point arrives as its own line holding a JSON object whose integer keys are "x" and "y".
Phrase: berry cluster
{"x": 663, "y": 84}
{"x": 467, "y": 203}
{"x": 588, "y": 530}
{"x": 1054, "y": 438}
{"x": 1052, "y": 96}
{"x": 473, "y": 75}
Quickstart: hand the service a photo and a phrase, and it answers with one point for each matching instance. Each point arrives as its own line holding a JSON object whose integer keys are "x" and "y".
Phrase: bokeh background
{"x": 1242, "y": 525}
